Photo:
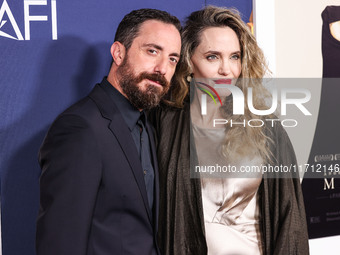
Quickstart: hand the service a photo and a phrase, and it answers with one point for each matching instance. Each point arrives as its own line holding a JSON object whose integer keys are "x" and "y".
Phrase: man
{"x": 99, "y": 182}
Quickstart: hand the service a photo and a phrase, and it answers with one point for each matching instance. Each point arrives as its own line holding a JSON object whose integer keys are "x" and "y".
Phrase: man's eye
{"x": 174, "y": 60}
{"x": 152, "y": 51}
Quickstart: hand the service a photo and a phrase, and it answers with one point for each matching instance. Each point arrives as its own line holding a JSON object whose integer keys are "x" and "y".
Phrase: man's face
{"x": 150, "y": 63}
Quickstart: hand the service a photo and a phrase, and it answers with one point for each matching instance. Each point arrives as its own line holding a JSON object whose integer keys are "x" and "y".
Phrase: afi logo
{"x": 28, "y": 18}
{"x": 239, "y": 100}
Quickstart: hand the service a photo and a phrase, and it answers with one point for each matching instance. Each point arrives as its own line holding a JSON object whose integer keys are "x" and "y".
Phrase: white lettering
{"x": 220, "y": 122}
{"x": 292, "y": 120}
{"x": 252, "y": 122}
{"x": 29, "y": 18}
{"x": 272, "y": 120}
{"x": 297, "y": 101}
{"x": 204, "y": 104}
{"x": 328, "y": 185}
{"x": 238, "y": 98}
{"x": 238, "y": 101}
{"x": 54, "y": 20}
{"x": 237, "y": 123}
{"x": 262, "y": 112}
{"x": 5, "y": 9}
{"x": 255, "y": 120}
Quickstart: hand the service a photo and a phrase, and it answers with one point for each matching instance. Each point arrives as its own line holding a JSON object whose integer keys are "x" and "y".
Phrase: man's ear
{"x": 118, "y": 53}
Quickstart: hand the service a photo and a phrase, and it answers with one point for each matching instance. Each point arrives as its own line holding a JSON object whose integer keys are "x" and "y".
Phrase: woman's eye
{"x": 211, "y": 57}
{"x": 235, "y": 56}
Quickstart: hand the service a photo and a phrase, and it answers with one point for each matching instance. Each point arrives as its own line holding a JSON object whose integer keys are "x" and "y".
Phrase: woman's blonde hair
{"x": 240, "y": 141}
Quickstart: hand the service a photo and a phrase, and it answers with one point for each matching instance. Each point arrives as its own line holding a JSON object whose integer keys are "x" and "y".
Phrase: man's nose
{"x": 162, "y": 65}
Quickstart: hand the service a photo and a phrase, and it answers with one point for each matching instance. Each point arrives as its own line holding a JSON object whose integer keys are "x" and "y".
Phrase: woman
{"x": 222, "y": 215}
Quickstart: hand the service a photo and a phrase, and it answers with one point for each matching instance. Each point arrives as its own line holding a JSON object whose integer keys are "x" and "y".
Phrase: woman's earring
{"x": 189, "y": 77}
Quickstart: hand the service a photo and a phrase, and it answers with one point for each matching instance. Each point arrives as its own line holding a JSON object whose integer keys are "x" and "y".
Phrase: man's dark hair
{"x": 128, "y": 28}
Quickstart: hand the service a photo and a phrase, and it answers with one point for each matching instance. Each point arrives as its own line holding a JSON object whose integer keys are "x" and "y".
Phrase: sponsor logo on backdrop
{"x": 7, "y": 19}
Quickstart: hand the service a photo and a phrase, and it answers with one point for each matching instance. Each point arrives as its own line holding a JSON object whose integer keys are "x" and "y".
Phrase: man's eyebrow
{"x": 175, "y": 55}
{"x": 158, "y": 47}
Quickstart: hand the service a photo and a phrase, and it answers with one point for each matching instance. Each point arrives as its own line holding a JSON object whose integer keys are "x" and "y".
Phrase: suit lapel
{"x": 121, "y": 131}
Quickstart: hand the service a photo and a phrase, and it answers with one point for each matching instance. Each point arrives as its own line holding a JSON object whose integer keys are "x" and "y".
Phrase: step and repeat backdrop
{"x": 52, "y": 52}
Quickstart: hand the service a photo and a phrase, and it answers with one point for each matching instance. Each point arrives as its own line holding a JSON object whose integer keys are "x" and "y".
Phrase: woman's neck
{"x": 204, "y": 118}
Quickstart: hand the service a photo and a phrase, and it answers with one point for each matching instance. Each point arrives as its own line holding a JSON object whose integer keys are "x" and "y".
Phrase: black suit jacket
{"x": 93, "y": 197}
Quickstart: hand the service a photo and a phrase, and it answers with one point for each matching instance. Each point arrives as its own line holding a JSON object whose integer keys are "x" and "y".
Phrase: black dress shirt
{"x": 136, "y": 121}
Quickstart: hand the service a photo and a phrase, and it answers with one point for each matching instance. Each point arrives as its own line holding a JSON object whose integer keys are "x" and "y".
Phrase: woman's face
{"x": 218, "y": 56}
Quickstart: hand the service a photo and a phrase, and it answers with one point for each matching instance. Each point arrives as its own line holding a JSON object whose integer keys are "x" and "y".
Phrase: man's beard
{"x": 141, "y": 99}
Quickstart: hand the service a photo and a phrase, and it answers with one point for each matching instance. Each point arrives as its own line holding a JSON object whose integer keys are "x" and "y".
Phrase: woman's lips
{"x": 222, "y": 81}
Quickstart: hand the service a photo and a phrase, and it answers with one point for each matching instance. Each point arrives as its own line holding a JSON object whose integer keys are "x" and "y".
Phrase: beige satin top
{"x": 230, "y": 205}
